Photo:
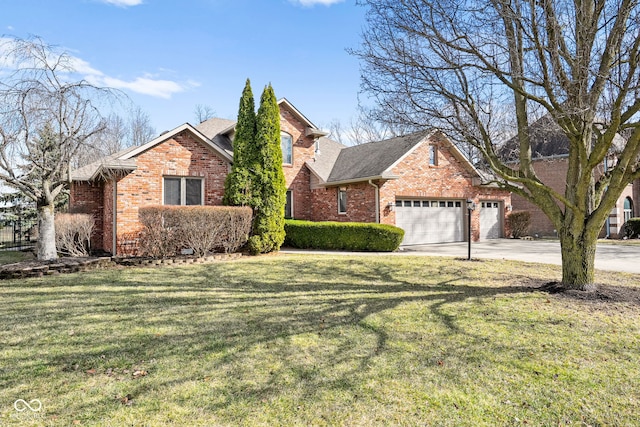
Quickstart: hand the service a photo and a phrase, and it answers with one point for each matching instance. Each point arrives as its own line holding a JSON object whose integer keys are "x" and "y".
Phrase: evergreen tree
{"x": 268, "y": 224}
{"x": 239, "y": 184}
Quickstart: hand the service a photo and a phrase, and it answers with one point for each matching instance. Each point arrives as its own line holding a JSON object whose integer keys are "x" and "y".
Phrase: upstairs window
{"x": 183, "y": 191}
{"x": 286, "y": 143}
{"x": 433, "y": 155}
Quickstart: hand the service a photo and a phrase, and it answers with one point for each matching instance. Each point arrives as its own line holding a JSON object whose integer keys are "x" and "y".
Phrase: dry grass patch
{"x": 319, "y": 340}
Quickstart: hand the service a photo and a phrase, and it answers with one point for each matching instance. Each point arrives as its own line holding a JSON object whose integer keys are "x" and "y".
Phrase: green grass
{"x": 9, "y": 257}
{"x": 317, "y": 340}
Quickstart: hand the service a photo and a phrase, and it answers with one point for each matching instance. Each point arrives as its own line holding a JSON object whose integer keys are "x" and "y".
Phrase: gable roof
{"x": 374, "y": 159}
{"x": 124, "y": 160}
{"x": 109, "y": 163}
{"x": 322, "y": 164}
{"x": 333, "y": 163}
{"x": 547, "y": 140}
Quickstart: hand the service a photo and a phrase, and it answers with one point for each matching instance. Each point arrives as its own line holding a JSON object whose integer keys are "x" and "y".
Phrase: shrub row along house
{"x": 420, "y": 182}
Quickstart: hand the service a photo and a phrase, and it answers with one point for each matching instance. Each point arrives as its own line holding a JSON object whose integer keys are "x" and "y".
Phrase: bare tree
{"x": 365, "y": 128}
{"x": 45, "y": 118}
{"x": 112, "y": 139}
{"x": 140, "y": 129}
{"x": 203, "y": 112}
{"x": 477, "y": 67}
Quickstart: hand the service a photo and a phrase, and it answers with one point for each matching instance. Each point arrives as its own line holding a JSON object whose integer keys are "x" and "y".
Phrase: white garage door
{"x": 490, "y": 223}
{"x": 430, "y": 221}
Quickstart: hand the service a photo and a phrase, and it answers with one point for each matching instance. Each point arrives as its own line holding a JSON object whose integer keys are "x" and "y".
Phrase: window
{"x": 288, "y": 207}
{"x": 433, "y": 155}
{"x": 183, "y": 191}
{"x": 628, "y": 209}
{"x": 342, "y": 201}
{"x": 286, "y": 143}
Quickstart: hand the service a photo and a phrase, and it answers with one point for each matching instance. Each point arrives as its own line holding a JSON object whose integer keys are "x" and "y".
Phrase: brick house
{"x": 550, "y": 152}
{"x": 419, "y": 182}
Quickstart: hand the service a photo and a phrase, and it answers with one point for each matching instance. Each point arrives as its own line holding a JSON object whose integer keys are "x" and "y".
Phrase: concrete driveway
{"x": 609, "y": 256}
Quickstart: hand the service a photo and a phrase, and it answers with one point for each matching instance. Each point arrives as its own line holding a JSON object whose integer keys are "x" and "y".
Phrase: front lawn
{"x": 319, "y": 340}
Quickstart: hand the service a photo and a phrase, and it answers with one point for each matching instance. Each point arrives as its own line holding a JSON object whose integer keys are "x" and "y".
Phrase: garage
{"x": 430, "y": 221}
{"x": 490, "y": 220}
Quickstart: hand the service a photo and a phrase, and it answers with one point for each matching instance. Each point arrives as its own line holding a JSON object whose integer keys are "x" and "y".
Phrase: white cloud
{"x": 10, "y": 27}
{"x": 146, "y": 86}
{"x": 123, "y": 3}
{"x": 310, "y": 3}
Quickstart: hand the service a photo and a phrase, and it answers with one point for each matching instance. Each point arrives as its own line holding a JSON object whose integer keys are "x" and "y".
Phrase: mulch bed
{"x": 597, "y": 293}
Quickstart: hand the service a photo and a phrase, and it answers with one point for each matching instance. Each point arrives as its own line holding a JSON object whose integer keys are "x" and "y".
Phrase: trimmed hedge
{"x": 631, "y": 228}
{"x": 205, "y": 229}
{"x": 353, "y": 236}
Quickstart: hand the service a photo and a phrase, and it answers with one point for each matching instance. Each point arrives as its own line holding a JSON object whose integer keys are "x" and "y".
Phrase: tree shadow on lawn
{"x": 234, "y": 321}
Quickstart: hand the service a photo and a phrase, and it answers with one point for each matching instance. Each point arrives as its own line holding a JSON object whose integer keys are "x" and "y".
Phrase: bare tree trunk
{"x": 578, "y": 259}
{"x": 46, "y": 247}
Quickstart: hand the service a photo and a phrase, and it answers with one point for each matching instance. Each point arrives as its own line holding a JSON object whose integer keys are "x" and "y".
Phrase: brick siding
{"x": 553, "y": 172}
{"x": 183, "y": 155}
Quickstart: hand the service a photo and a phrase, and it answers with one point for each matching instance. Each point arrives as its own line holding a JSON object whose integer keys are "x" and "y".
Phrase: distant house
{"x": 419, "y": 182}
{"x": 550, "y": 152}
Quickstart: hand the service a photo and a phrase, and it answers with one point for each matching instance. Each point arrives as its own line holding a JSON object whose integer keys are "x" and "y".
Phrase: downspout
{"x": 377, "y": 200}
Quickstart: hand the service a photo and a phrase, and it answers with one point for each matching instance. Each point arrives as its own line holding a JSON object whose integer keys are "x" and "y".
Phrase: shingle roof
{"x": 372, "y": 159}
{"x": 547, "y": 140}
{"x": 92, "y": 170}
{"x": 325, "y": 159}
{"x": 214, "y": 128}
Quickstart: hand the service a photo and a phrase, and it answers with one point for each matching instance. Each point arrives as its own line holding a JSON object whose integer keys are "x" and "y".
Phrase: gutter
{"x": 355, "y": 180}
{"x": 377, "y": 200}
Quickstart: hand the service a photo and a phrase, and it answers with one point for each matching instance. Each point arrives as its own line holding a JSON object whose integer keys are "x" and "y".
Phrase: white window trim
{"x": 433, "y": 155}
{"x": 291, "y": 139}
{"x": 346, "y": 201}
{"x": 183, "y": 189}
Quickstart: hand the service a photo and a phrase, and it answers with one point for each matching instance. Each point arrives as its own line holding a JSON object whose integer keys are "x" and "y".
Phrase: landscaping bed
{"x": 35, "y": 268}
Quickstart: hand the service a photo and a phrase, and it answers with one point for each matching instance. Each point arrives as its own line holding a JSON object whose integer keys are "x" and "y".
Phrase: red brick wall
{"x": 360, "y": 203}
{"x": 297, "y": 175}
{"x": 180, "y": 156}
{"x": 448, "y": 179}
{"x": 553, "y": 172}
{"x": 86, "y": 197}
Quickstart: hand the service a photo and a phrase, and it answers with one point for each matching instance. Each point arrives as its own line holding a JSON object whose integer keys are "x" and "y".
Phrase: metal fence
{"x": 17, "y": 234}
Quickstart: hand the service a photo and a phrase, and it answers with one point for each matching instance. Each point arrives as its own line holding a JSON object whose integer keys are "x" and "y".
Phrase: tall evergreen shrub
{"x": 268, "y": 224}
{"x": 239, "y": 184}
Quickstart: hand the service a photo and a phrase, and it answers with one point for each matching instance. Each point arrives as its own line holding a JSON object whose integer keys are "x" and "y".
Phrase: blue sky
{"x": 170, "y": 55}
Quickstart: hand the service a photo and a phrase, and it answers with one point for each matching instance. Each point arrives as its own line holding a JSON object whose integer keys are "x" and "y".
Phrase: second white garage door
{"x": 490, "y": 224}
{"x": 430, "y": 221}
